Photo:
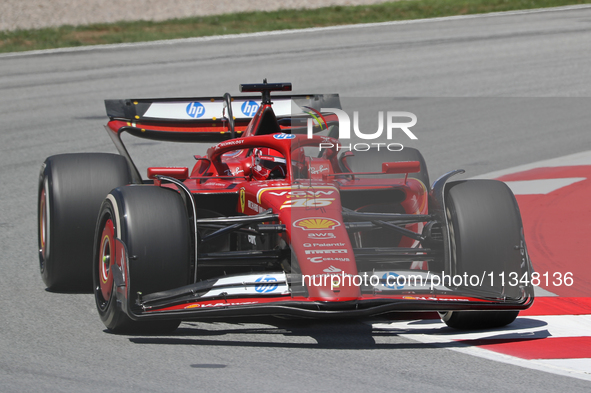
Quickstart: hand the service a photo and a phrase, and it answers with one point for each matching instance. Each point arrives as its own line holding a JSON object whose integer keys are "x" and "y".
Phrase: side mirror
{"x": 401, "y": 167}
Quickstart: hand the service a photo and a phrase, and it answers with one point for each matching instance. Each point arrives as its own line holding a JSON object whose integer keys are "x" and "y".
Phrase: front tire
{"x": 465, "y": 320}
{"x": 153, "y": 224}
{"x": 486, "y": 235}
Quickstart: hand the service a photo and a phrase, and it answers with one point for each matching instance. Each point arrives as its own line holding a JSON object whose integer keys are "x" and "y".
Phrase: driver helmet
{"x": 268, "y": 166}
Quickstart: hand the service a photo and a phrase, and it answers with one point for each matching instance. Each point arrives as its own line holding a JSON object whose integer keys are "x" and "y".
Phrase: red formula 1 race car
{"x": 274, "y": 220}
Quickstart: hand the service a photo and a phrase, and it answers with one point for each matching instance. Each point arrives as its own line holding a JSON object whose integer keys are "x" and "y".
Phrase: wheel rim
{"x": 42, "y": 223}
{"x": 43, "y": 229}
{"x": 106, "y": 258}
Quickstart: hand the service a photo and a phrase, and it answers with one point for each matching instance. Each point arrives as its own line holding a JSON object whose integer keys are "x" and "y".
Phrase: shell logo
{"x": 316, "y": 223}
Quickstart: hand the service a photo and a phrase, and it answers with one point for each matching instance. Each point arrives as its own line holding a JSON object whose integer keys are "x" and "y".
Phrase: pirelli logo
{"x": 340, "y": 251}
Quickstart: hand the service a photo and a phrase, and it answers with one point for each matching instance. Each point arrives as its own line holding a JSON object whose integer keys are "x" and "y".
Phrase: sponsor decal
{"x": 315, "y": 202}
{"x": 249, "y": 108}
{"x": 195, "y": 110}
{"x": 307, "y": 193}
{"x": 312, "y": 223}
{"x": 284, "y": 136}
{"x": 290, "y": 191}
{"x": 391, "y": 281}
{"x": 267, "y": 284}
{"x": 242, "y": 199}
{"x": 229, "y": 143}
{"x": 319, "y": 170}
{"x": 220, "y": 304}
{"x": 340, "y": 251}
{"x": 216, "y": 184}
{"x": 449, "y": 299}
{"x": 255, "y": 207}
{"x": 324, "y": 244}
{"x": 324, "y": 259}
{"x": 332, "y": 269}
{"x": 321, "y": 236}
{"x": 237, "y": 171}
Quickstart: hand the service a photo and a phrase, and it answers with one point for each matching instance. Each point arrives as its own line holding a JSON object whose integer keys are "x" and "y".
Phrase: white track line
{"x": 582, "y": 158}
{"x": 541, "y": 186}
{"x": 285, "y": 32}
{"x": 539, "y": 326}
{"x": 435, "y": 332}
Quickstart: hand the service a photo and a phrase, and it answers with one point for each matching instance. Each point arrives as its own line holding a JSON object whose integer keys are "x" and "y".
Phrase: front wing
{"x": 281, "y": 294}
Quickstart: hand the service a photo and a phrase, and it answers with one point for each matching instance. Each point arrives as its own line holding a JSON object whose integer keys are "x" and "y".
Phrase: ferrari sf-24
{"x": 266, "y": 223}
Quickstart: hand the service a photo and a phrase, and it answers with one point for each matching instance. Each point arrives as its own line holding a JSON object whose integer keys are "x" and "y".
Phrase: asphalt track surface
{"x": 52, "y": 103}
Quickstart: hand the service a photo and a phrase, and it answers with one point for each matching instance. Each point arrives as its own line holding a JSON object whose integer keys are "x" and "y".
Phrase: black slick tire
{"x": 472, "y": 320}
{"x": 372, "y": 159}
{"x": 71, "y": 190}
{"x": 153, "y": 224}
{"x": 486, "y": 235}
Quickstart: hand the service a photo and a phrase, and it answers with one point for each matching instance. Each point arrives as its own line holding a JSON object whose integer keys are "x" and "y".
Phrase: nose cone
{"x": 320, "y": 243}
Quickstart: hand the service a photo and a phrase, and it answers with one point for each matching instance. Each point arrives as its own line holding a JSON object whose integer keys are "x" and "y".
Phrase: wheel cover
{"x": 106, "y": 257}
{"x": 453, "y": 244}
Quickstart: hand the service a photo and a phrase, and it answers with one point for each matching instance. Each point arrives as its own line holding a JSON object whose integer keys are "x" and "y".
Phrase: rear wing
{"x": 203, "y": 119}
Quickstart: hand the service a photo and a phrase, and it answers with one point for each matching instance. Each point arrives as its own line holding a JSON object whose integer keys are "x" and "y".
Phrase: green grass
{"x": 70, "y": 36}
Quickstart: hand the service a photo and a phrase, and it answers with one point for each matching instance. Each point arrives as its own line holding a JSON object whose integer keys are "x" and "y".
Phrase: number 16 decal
{"x": 313, "y": 202}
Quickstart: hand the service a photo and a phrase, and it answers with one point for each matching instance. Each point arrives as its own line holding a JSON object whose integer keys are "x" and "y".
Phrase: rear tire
{"x": 71, "y": 189}
{"x": 153, "y": 224}
{"x": 372, "y": 159}
{"x": 486, "y": 235}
